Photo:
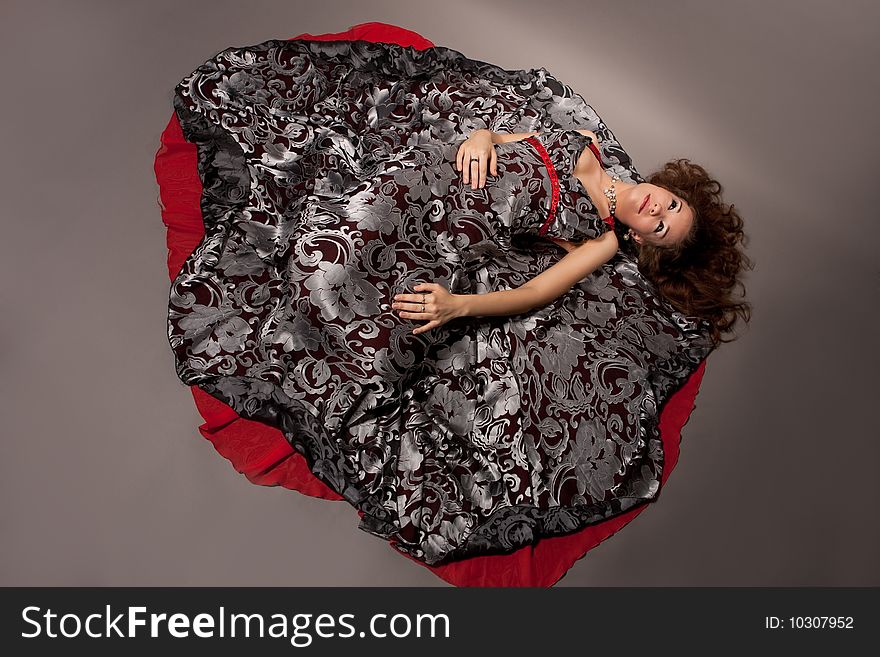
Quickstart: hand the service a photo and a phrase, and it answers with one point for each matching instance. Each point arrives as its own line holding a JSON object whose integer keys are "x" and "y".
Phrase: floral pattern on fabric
{"x": 329, "y": 186}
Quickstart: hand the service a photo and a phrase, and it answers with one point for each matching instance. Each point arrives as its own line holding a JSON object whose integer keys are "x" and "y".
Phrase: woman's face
{"x": 655, "y": 215}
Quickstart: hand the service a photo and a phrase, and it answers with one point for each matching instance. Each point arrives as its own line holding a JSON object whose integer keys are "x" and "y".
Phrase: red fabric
{"x": 264, "y": 456}
{"x": 554, "y": 182}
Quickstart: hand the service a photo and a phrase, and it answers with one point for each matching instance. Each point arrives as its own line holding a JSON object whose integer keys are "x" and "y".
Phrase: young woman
{"x": 690, "y": 241}
{"x": 335, "y": 179}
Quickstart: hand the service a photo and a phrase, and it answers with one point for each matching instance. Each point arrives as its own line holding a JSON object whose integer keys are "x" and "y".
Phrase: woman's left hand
{"x": 440, "y": 305}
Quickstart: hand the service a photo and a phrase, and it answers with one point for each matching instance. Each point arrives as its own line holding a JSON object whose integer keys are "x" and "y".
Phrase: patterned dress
{"x": 329, "y": 180}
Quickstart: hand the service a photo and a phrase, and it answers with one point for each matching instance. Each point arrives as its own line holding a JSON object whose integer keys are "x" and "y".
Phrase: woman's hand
{"x": 474, "y": 154}
{"x": 440, "y": 305}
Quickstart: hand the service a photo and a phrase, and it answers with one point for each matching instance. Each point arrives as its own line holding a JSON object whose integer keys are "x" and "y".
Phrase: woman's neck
{"x": 597, "y": 182}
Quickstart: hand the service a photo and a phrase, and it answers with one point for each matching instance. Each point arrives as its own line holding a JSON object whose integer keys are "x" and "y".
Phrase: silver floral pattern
{"x": 329, "y": 185}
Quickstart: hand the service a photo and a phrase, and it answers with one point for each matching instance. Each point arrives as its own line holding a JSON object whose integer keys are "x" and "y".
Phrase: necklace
{"x": 611, "y": 193}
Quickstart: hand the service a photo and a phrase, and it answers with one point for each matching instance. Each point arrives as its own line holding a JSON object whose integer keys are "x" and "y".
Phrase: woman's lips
{"x": 644, "y": 203}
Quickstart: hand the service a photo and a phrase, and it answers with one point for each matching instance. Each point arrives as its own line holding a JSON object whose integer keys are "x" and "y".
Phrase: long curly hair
{"x": 701, "y": 275}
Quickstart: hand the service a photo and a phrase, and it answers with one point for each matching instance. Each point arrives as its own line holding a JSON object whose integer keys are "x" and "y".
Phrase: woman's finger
{"x": 426, "y": 327}
{"x": 475, "y": 174}
{"x": 407, "y": 302}
{"x": 483, "y": 168}
{"x": 413, "y": 306}
{"x": 494, "y": 163}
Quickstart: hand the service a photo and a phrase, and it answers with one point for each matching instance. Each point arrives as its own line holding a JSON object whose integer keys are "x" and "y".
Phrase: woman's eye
{"x": 674, "y": 204}
{"x": 659, "y": 227}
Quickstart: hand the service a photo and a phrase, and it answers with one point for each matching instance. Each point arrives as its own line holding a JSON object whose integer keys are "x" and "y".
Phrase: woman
{"x": 659, "y": 219}
{"x": 330, "y": 185}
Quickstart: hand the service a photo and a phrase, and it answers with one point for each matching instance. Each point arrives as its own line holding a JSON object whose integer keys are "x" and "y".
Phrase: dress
{"x": 329, "y": 187}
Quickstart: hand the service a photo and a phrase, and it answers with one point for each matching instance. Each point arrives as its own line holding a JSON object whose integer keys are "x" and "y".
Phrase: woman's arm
{"x": 546, "y": 286}
{"x": 503, "y": 138}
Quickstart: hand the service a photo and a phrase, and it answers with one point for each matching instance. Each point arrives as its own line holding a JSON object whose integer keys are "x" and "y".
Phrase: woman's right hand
{"x": 475, "y": 156}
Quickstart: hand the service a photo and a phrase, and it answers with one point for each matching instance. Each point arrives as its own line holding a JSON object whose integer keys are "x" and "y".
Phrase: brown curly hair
{"x": 700, "y": 274}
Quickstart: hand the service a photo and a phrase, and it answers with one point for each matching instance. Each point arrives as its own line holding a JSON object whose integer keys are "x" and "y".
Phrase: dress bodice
{"x": 534, "y": 195}
{"x": 560, "y": 150}
{"x": 549, "y": 201}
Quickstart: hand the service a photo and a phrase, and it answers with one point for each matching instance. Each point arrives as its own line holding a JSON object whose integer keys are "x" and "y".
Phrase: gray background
{"x": 104, "y": 477}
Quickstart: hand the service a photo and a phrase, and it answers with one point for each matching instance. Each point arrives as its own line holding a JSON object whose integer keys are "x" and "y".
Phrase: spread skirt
{"x": 324, "y": 193}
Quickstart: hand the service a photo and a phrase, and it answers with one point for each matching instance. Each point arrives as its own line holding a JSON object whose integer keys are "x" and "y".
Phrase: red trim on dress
{"x": 554, "y": 182}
